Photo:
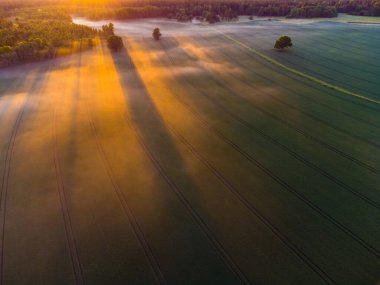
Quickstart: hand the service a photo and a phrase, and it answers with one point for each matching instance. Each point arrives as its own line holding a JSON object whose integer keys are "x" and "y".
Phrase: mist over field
{"x": 198, "y": 153}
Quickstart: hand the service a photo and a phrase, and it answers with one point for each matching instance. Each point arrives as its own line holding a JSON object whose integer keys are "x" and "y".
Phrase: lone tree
{"x": 115, "y": 43}
{"x": 156, "y": 34}
{"x": 283, "y": 42}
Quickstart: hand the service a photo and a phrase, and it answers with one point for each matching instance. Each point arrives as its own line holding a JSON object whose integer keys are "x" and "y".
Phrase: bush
{"x": 115, "y": 42}
{"x": 283, "y": 42}
{"x": 156, "y": 34}
{"x": 26, "y": 50}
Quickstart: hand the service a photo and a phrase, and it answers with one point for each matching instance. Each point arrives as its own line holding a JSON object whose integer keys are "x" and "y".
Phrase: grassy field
{"x": 194, "y": 160}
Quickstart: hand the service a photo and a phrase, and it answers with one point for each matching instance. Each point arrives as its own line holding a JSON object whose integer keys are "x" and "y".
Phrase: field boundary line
{"x": 299, "y": 73}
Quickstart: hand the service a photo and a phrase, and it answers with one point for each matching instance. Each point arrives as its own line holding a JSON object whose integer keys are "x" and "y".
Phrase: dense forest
{"x": 214, "y": 11}
{"x": 209, "y": 11}
{"x": 360, "y": 7}
{"x": 34, "y": 33}
{"x": 318, "y": 11}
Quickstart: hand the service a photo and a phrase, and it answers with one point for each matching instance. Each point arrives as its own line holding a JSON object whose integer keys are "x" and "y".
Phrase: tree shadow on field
{"x": 147, "y": 119}
{"x": 165, "y": 156}
{"x": 73, "y": 125}
{"x": 144, "y": 114}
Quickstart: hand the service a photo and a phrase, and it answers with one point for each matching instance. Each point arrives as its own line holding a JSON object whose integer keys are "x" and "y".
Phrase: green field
{"x": 204, "y": 158}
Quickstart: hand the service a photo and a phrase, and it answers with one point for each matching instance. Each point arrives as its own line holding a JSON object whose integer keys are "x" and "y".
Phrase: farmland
{"x": 195, "y": 160}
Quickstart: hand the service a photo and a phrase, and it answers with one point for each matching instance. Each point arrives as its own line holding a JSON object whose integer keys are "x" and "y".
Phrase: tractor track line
{"x": 294, "y": 92}
{"x": 6, "y": 175}
{"x": 305, "y": 134}
{"x": 304, "y": 161}
{"x": 228, "y": 260}
{"x": 8, "y": 157}
{"x": 64, "y": 200}
{"x": 138, "y": 232}
{"x": 64, "y": 203}
{"x": 291, "y": 152}
{"x": 224, "y": 255}
{"x": 153, "y": 262}
{"x": 340, "y": 64}
{"x": 319, "y": 74}
{"x": 307, "y": 82}
{"x": 297, "y": 194}
{"x": 5, "y": 185}
{"x": 276, "y": 231}
{"x": 323, "y": 122}
{"x": 358, "y": 49}
{"x": 284, "y": 184}
{"x": 299, "y": 73}
{"x": 324, "y": 40}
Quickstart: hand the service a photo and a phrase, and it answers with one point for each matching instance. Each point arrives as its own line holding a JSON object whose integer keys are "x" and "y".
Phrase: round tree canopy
{"x": 115, "y": 42}
{"x": 156, "y": 34}
{"x": 283, "y": 42}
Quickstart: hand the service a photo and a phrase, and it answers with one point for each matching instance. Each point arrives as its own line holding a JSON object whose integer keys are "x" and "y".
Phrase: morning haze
{"x": 189, "y": 142}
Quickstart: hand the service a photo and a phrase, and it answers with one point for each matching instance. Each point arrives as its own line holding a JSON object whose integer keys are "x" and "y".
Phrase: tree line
{"x": 360, "y": 7}
{"x": 36, "y": 34}
{"x": 318, "y": 11}
{"x": 184, "y": 9}
{"x": 214, "y": 11}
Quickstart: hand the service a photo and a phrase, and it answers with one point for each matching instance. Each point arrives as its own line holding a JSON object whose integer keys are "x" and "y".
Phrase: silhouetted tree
{"x": 283, "y": 42}
{"x": 115, "y": 42}
{"x": 108, "y": 30}
{"x": 156, "y": 34}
